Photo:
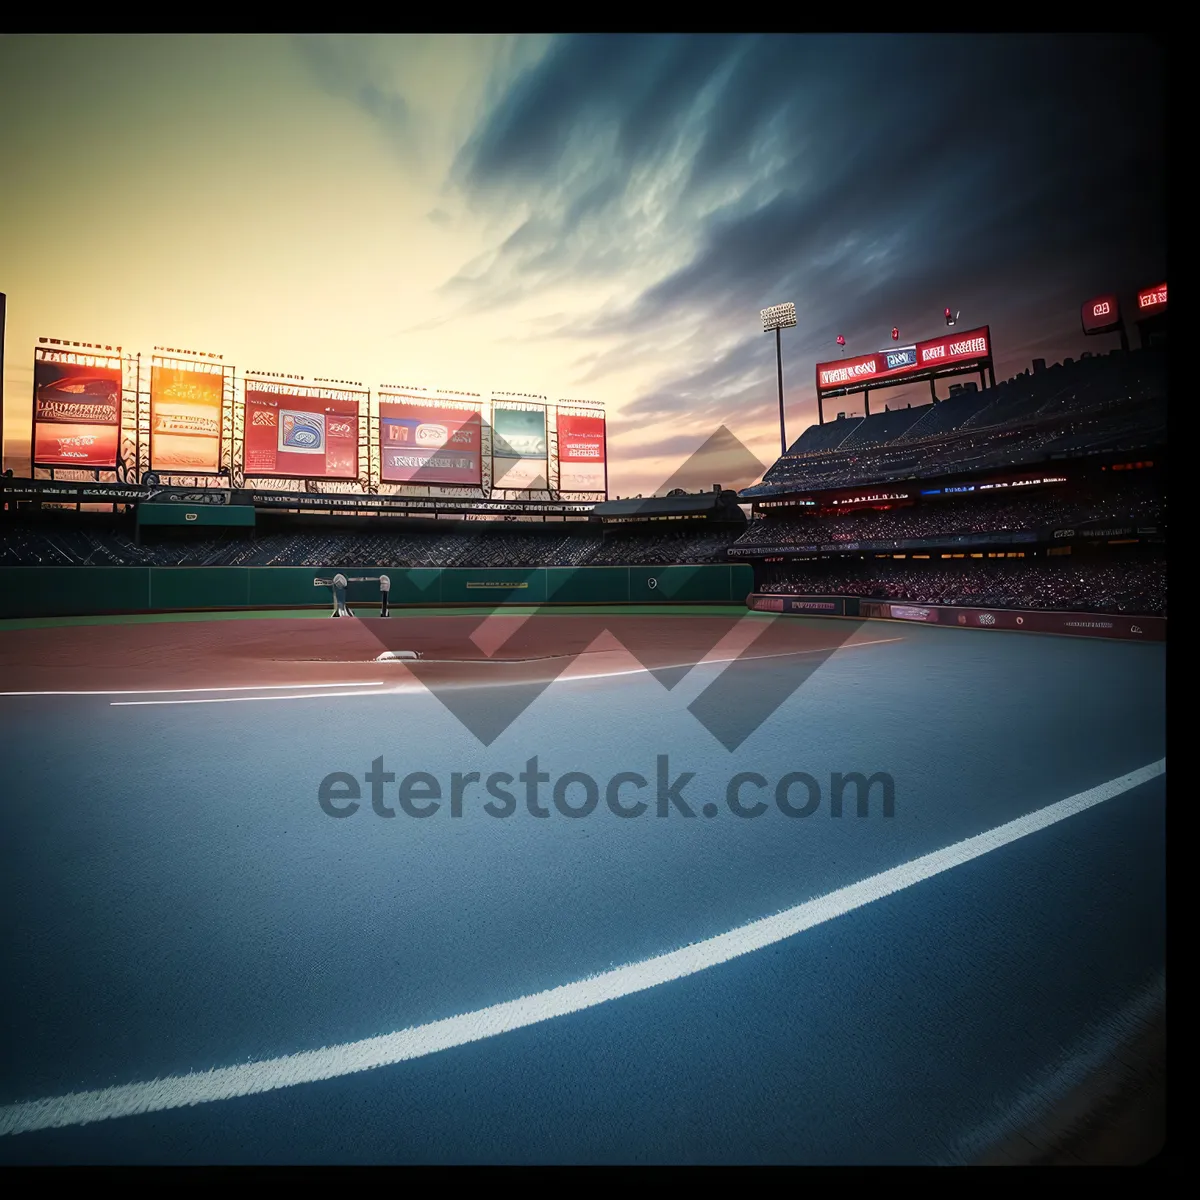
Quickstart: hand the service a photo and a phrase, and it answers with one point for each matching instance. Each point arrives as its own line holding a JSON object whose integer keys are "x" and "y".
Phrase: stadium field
{"x": 267, "y": 902}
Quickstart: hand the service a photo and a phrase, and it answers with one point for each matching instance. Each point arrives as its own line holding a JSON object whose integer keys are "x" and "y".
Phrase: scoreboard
{"x": 1153, "y": 300}
{"x": 1102, "y": 314}
{"x": 897, "y": 359}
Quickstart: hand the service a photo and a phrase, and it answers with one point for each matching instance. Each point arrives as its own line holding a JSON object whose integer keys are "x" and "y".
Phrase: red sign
{"x": 1101, "y": 315}
{"x": 581, "y": 454}
{"x": 423, "y": 443}
{"x": 301, "y": 437}
{"x": 1153, "y": 300}
{"x": 76, "y": 414}
{"x": 869, "y": 370}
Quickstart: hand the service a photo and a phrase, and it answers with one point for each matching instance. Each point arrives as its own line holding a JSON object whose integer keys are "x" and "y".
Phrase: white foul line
{"x": 332, "y": 1062}
{"x": 243, "y": 699}
{"x": 261, "y": 687}
{"x": 403, "y": 688}
{"x": 712, "y": 662}
{"x": 292, "y": 687}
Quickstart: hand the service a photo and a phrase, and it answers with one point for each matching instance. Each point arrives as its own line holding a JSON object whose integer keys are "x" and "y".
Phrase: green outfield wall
{"x": 77, "y": 591}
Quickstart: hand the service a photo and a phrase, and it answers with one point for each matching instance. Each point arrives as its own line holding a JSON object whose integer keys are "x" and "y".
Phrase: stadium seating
{"x": 1136, "y": 586}
{"x": 59, "y": 544}
{"x": 882, "y": 427}
{"x": 1113, "y": 403}
{"x": 1137, "y": 500}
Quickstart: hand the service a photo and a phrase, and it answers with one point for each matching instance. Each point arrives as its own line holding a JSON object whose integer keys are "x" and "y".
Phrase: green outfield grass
{"x": 366, "y": 610}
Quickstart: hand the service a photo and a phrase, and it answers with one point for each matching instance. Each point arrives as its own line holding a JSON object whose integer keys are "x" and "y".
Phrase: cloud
{"x": 343, "y": 67}
{"x": 857, "y": 167}
{"x": 644, "y": 196}
{"x": 871, "y": 180}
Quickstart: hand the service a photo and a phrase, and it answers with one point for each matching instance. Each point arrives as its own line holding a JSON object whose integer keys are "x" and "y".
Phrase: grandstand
{"x": 1133, "y": 586}
{"x": 1114, "y": 403}
{"x": 67, "y": 542}
{"x": 1136, "y": 500}
{"x": 678, "y": 529}
{"x": 1047, "y": 492}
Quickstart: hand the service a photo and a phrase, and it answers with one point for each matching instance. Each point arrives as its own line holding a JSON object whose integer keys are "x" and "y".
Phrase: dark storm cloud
{"x": 870, "y": 179}
{"x": 632, "y": 84}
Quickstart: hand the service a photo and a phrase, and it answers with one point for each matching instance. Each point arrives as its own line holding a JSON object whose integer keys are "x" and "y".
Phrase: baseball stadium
{"x": 381, "y": 789}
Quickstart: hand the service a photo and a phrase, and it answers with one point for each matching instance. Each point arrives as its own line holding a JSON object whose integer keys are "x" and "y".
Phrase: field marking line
{"x": 334, "y": 1062}
{"x": 710, "y": 662}
{"x": 244, "y": 699}
{"x": 262, "y": 687}
{"x": 401, "y": 688}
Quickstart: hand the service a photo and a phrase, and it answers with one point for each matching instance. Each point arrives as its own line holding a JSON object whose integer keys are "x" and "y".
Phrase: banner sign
{"x": 895, "y": 365}
{"x": 76, "y": 414}
{"x": 185, "y": 420}
{"x": 301, "y": 436}
{"x": 581, "y": 453}
{"x": 427, "y": 443}
{"x": 519, "y": 451}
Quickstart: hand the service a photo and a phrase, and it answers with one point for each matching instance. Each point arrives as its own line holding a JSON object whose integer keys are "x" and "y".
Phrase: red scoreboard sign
{"x": 1101, "y": 315}
{"x": 76, "y": 411}
{"x": 1152, "y": 301}
{"x": 896, "y": 365}
{"x": 581, "y": 453}
{"x": 297, "y": 435}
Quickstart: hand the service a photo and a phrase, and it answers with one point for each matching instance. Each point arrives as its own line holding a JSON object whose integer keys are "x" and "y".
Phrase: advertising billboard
{"x": 288, "y": 433}
{"x": 185, "y": 419}
{"x": 908, "y": 612}
{"x": 76, "y": 413}
{"x": 519, "y": 451}
{"x": 581, "y": 453}
{"x": 1101, "y": 315}
{"x": 1152, "y": 301}
{"x": 429, "y": 443}
{"x": 896, "y": 364}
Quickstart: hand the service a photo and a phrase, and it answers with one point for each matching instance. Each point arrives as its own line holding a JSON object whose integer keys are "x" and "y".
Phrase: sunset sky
{"x": 590, "y": 217}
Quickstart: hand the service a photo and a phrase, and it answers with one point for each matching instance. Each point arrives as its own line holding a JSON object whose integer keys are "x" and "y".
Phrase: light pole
{"x": 777, "y": 317}
{"x": 3, "y": 314}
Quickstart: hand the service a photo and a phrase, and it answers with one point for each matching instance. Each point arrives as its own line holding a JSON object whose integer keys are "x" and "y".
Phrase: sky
{"x": 587, "y": 217}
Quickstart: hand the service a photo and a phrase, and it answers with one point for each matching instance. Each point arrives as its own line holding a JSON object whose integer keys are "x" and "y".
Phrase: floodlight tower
{"x": 777, "y": 317}
{"x": 3, "y": 313}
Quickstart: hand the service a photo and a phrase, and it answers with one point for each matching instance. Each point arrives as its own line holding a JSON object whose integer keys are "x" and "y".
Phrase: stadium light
{"x": 777, "y": 317}
{"x": 3, "y": 318}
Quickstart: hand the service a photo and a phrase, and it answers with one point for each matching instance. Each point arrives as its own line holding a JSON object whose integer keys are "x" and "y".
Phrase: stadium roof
{"x": 660, "y": 506}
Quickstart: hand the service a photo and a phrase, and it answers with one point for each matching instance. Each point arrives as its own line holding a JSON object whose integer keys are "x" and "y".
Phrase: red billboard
{"x": 1152, "y": 301}
{"x": 300, "y": 436}
{"x": 1101, "y": 315}
{"x": 429, "y": 443}
{"x": 894, "y": 365}
{"x": 581, "y": 453}
{"x": 76, "y": 413}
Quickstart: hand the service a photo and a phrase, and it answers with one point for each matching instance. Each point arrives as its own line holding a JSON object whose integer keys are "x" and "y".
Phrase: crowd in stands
{"x": 1140, "y": 501}
{"x": 504, "y": 546}
{"x": 1136, "y": 586}
{"x": 1116, "y": 401}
